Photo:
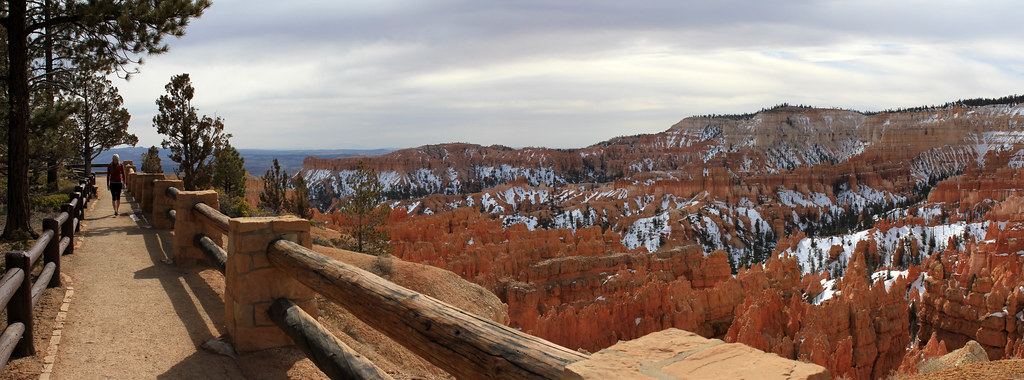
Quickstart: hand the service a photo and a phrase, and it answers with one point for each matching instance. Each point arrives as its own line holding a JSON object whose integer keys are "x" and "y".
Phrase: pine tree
{"x": 110, "y": 33}
{"x": 275, "y": 187}
{"x": 364, "y": 219}
{"x": 193, "y": 140}
{"x": 299, "y": 203}
{"x": 229, "y": 171}
{"x": 151, "y": 161}
{"x": 101, "y": 119}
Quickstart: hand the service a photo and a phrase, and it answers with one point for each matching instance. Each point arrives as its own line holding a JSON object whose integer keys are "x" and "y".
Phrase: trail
{"x": 134, "y": 314}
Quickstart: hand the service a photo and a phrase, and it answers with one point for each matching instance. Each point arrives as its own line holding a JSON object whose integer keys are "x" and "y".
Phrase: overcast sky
{"x": 564, "y": 73}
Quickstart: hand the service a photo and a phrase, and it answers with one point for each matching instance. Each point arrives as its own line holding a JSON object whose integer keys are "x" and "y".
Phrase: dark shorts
{"x": 115, "y": 190}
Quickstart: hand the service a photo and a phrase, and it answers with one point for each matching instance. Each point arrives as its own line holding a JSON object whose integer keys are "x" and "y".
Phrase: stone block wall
{"x": 146, "y": 187}
{"x": 163, "y": 203}
{"x": 252, "y": 283}
{"x": 188, "y": 224}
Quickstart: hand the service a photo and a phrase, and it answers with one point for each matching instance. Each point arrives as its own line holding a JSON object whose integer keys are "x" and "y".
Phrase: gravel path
{"x": 134, "y": 315}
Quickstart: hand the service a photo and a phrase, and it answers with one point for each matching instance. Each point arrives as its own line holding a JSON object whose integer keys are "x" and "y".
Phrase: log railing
{"x": 18, "y": 292}
{"x": 457, "y": 341}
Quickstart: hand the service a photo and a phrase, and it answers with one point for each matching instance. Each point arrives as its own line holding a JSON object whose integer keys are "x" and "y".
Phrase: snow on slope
{"x": 813, "y": 253}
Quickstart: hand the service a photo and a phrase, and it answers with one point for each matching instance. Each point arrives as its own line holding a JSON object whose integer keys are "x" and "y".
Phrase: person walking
{"x": 115, "y": 181}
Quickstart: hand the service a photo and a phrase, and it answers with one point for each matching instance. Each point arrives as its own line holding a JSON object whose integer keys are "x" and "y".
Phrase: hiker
{"x": 115, "y": 181}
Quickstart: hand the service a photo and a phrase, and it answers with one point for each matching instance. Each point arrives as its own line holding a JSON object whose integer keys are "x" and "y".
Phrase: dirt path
{"x": 134, "y": 315}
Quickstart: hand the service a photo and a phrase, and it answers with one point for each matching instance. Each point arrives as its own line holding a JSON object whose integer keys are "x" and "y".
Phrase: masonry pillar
{"x": 137, "y": 187}
{"x": 163, "y": 203}
{"x": 188, "y": 223}
{"x": 252, "y": 283}
{"x": 147, "y": 190}
{"x": 129, "y": 177}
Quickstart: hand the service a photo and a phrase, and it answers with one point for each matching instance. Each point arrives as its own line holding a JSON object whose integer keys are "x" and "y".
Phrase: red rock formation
{"x": 716, "y": 180}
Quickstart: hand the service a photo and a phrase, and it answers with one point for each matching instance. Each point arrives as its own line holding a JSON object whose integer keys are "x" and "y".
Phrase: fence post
{"x": 68, "y": 228}
{"x": 83, "y": 201}
{"x": 93, "y": 189}
{"x": 187, "y": 224}
{"x": 51, "y": 254}
{"x": 79, "y": 210}
{"x": 252, "y": 283}
{"x": 19, "y": 308}
{"x": 82, "y": 188}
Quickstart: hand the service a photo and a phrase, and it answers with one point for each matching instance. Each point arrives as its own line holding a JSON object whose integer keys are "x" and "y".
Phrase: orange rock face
{"x": 765, "y": 230}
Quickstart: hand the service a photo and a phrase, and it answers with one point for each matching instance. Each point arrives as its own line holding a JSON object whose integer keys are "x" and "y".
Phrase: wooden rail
{"x": 215, "y": 217}
{"x": 457, "y": 341}
{"x": 214, "y": 252}
{"x": 18, "y": 292}
{"x": 331, "y": 355}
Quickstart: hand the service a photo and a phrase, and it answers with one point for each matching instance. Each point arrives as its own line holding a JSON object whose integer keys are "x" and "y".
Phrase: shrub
{"x": 382, "y": 266}
{"x": 20, "y": 240}
{"x": 46, "y": 203}
{"x": 235, "y": 207}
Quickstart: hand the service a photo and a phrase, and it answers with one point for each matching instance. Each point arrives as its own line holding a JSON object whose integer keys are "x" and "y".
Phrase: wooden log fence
{"x": 457, "y": 341}
{"x": 335, "y": 358}
{"x": 214, "y": 252}
{"x": 19, "y": 294}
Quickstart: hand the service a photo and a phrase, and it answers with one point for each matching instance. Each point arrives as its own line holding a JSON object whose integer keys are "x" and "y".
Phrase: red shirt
{"x": 115, "y": 172}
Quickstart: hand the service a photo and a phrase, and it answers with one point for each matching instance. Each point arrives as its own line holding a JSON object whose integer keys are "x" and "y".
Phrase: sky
{"x": 364, "y": 74}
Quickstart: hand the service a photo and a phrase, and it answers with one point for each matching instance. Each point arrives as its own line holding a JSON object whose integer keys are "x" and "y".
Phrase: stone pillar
{"x": 188, "y": 224}
{"x": 137, "y": 187}
{"x": 252, "y": 283}
{"x": 129, "y": 179}
{"x": 163, "y": 203}
{"x": 147, "y": 190}
{"x": 133, "y": 186}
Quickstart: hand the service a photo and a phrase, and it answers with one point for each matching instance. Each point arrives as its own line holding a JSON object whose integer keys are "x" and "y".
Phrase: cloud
{"x": 368, "y": 74}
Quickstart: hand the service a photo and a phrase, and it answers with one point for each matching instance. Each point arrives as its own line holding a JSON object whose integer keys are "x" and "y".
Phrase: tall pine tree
{"x": 193, "y": 140}
{"x": 101, "y": 119}
{"x": 151, "y": 161}
{"x": 275, "y": 188}
{"x": 229, "y": 172}
{"x": 112, "y": 33}
{"x": 365, "y": 217}
{"x": 299, "y": 203}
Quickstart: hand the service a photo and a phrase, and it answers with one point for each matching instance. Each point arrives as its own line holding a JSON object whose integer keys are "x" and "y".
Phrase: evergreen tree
{"x": 111, "y": 33}
{"x": 275, "y": 187}
{"x": 229, "y": 172}
{"x": 101, "y": 119}
{"x": 52, "y": 137}
{"x": 151, "y": 161}
{"x": 364, "y": 219}
{"x": 299, "y": 203}
{"x": 193, "y": 140}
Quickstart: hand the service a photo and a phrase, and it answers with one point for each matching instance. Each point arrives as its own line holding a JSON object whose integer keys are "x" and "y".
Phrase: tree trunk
{"x": 51, "y": 174}
{"x": 51, "y": 162}
{"x": 18, "y": 212}
{"x": 87, "y": 158}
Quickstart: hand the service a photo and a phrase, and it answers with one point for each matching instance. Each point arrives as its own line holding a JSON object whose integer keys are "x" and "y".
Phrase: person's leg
{"x": 115, "y": 196}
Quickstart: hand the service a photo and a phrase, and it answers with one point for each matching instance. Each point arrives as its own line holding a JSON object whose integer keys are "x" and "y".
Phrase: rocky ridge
{"x": 863, "y": 232}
